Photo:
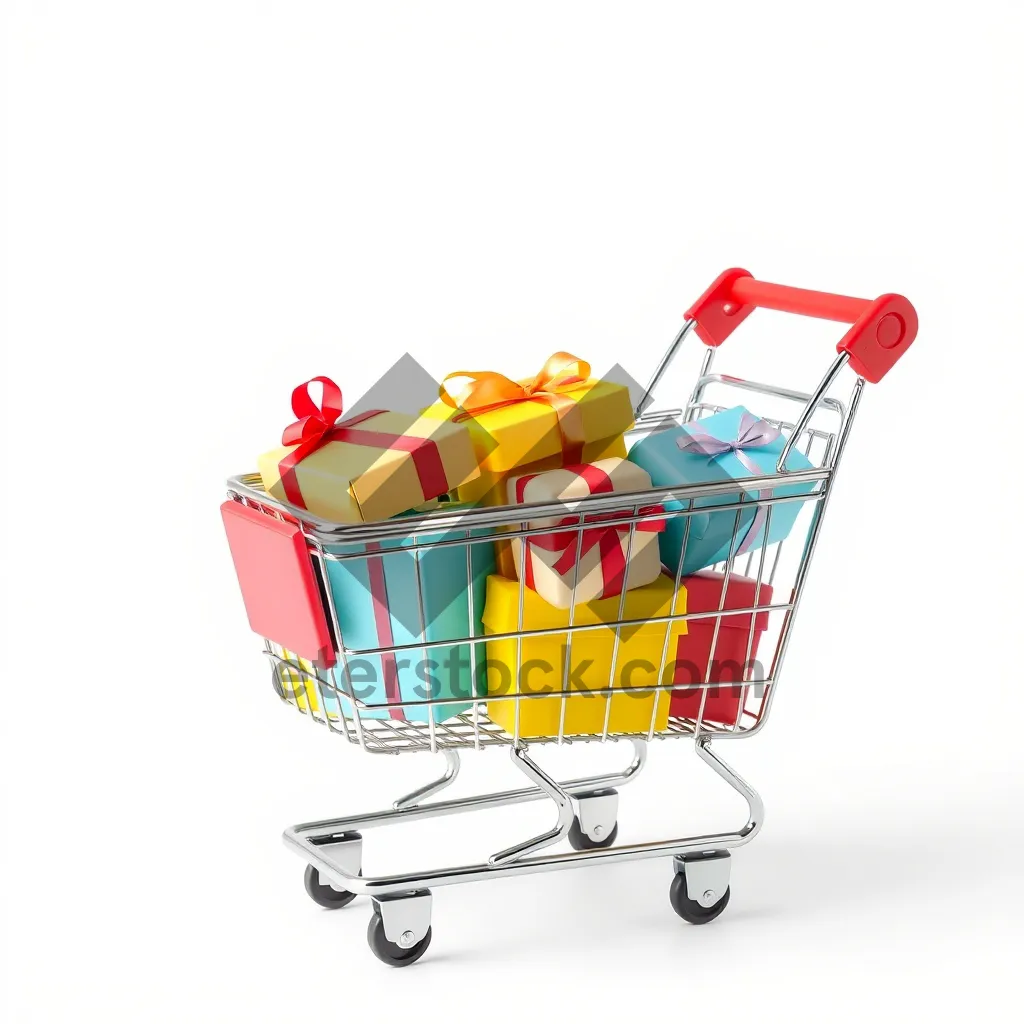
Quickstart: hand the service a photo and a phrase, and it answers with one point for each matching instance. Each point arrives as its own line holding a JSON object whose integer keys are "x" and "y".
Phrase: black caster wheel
{"x": 690, "y": 910}
{"x": 323, "y": 894}
{"x": 390, "y": 952}
{"x": 579, "y": 840}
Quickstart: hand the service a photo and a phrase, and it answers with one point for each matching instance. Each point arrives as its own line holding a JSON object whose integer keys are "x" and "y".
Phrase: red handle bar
{"x": 882, "y": 330}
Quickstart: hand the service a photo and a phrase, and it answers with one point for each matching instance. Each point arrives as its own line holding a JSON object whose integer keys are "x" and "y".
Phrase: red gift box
{"x": 693, "y": 651}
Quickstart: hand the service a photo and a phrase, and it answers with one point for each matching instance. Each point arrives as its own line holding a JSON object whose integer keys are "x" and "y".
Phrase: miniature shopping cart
{"x": 816, "y": 425}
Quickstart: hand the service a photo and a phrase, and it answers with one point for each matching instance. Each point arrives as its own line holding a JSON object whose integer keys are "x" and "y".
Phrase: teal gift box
{"x": 375, "y": 598}
{"x": 729, "y": 445}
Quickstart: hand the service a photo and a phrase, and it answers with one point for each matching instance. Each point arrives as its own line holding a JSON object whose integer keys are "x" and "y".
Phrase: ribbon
{"x": 751, "y": 433}
{"x": 572, "y": 546}
{"x": 385, "y": 638}
{"x": 316, "y": 425}
{"x": 488, "y": 390}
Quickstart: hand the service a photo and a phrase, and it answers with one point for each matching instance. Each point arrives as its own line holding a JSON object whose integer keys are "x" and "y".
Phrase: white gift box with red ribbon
{"x": 609, "y": 561}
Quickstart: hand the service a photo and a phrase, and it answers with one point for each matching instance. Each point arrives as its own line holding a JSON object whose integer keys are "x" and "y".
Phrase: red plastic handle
{"x": 882, "y": 329}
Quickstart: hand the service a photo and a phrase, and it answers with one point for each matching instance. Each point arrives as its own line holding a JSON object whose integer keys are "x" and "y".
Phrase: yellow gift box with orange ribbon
{"x": 560, "y": 417}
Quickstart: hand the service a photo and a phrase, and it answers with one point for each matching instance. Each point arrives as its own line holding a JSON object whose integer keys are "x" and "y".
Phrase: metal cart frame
{"x": 587, "y": 808}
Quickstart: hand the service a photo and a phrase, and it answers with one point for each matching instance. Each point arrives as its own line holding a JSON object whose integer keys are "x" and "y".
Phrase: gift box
{"x": 603, "y": 560}
{"x": 375, "y": 597}
{"x": 536, "y": 664}
{"x": 497, "y": 494}
{"x": 496, "y": 484}
{"x": 562, "y": 414}
{"x": 295, "y": 680}
{"x": 693, "y": 651}
{"x": 728, "y": 446}
{"x": 368, "y": 467}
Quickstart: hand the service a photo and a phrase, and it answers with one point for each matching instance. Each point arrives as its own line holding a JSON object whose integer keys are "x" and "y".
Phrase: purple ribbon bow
{"x": 752, "y": 433}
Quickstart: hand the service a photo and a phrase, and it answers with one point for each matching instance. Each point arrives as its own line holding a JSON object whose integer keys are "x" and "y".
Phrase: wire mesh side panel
{"x": 729, "y": 693}
{"x": 732, "y": 697}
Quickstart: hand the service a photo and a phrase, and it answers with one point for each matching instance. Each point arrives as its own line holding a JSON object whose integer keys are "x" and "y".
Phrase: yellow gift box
{"x": 541, "y": 660}
{"x": 560, "y": 417}
{"x": 296, "y": 682}
{"x": 368, "y": 467}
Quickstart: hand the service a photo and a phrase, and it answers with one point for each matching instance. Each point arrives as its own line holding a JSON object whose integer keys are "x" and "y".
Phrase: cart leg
{"x": 432, "y": 788}
{"x": 561, "y": 799}
{"x": 413, "y": 805}
{"x": 399, "y": 930}
{"x": 725, "y": 771}
{"x": 700, "y": 887}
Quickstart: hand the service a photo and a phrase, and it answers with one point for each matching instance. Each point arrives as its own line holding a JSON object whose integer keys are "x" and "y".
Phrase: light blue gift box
{"x": 710, "y": 537}
{"x": 382, "y": 589}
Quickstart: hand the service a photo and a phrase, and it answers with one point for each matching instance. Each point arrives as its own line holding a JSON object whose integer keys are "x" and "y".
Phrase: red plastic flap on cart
{"x": 279, "y": 589}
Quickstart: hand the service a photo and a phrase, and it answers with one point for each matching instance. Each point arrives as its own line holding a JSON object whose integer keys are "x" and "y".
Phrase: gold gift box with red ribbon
{"x": 368, "y": 467}
{"x": 560, "y": 417}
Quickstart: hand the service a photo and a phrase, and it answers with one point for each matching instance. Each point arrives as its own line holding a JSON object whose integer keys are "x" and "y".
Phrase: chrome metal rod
{"x": 755, "y": 804}
{"x": 352, "y": 823}
{"x": 418, "y": 795}
{"x": 812, "y": 404}
{"x": 740, "y": 488}
{"x": 698, "y": 388}
{"x": 666, "y": 362}
{"x": 805, "y": 562}
{"x": 557, "y": 793}
{"x": 526, "y": 634}
{"x": 385, "y": 884}
{"x": 832, "y": 404}
{"x": 249, "y": 487}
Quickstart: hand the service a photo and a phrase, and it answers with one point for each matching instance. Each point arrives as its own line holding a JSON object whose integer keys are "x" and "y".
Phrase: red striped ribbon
{"x": 316, "y": 426}
{"x": 573, "y": 546}
{"x": 385, "y": 638}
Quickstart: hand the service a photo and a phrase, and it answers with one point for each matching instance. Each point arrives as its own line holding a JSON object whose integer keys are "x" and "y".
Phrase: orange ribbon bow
{"x": 488, "y": 389}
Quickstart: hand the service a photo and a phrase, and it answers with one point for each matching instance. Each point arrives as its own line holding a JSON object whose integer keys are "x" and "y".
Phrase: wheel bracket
{"x": 405, "y": 916}
{"x": 707, "y": 875}
{"x": 597, "y": 813}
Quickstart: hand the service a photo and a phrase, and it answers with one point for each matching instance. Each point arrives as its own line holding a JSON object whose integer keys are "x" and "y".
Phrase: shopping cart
{"x": 399, "y": 930}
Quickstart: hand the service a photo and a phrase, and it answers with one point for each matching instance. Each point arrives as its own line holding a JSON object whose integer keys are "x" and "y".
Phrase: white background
{"x": 208, "y": 202}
